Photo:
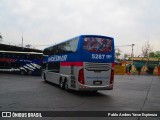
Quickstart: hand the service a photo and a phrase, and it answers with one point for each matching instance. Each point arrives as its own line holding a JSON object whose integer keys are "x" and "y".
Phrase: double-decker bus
{"x": 17, "y": 62}
{"x": 83, "y": 63}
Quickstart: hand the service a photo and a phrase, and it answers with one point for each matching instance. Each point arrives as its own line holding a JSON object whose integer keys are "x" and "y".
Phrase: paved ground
{"x": 131, "y": 93}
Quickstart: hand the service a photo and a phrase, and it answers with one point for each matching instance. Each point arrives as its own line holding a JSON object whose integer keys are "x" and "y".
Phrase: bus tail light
{"x": 112, "y": 74}
{"x": 112, "y": 77}
{"x": 81, "y": 76}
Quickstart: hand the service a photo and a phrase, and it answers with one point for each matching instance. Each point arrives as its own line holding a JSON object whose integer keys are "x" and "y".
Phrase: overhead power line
{"x": 123, "y": 45}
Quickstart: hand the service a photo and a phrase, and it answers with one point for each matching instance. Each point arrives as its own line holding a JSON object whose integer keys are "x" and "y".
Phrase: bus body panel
{"x": 52, "y": 77}
{"x": 96, "y": 75}
{"x": 69, "y": 71}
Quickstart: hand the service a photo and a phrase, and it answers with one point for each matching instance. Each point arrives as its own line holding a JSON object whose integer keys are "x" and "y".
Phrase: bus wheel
{"x": 29, "y": 72}
{"x": 22, "y": 72}
{"x": 61, "y": 84}
{"x": 44, "y": 77}
{"x": 66, "y": 85}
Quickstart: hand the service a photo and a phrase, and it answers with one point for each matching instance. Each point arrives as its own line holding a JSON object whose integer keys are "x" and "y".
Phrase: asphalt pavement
{"x": 31, "y": 93}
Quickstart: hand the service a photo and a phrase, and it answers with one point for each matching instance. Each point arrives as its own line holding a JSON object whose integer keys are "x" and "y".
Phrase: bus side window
{"x": 54, "y": 67}
{"x": 44, "y": 66}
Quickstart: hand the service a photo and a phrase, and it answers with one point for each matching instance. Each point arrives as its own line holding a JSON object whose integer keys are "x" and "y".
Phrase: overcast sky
{"x": 46, "y": 22}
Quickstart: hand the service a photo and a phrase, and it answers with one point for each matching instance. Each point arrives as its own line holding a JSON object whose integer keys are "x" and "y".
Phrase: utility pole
{"x": 1, "y": 38}
{"x": 132, "y": 51}
{"x": 132, "y": 56}
{"x": 127, "y": 46}
{"x": 22, "y": 40}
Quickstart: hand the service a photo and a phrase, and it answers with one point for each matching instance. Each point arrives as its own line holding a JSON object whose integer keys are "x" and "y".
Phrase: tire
{"x": 22, "y": 72}
{"x": 61, "y": 84}
{"x": 66, "y": 85}
{"x": 29, "y": 72}
{"x": 44, "y": 77}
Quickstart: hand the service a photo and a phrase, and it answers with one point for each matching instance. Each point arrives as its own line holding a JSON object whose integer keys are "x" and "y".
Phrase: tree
{"x": 125, "y": 56}
{"x": 118, "y": 53}
{"x": 154, "y": 54}
{"x": 146, "y": 49}
{"x": 28, "y": 46}
{"x": 157, "y": 54}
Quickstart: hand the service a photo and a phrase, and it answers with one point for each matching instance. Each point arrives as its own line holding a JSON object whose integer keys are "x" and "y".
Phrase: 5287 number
{"x": 100, "y": 56}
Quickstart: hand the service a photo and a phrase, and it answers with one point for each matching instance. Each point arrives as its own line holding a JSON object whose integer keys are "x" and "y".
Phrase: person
{"x": 130, "y": 67}
{"x": 139, "y": 70}
{"x": 159, "y": 70}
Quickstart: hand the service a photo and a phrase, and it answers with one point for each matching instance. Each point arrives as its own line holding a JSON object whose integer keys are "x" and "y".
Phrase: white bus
{"x": 83, "y": 63}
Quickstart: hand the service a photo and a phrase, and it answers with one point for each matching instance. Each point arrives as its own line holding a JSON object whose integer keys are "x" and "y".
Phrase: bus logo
{"x": 6, "y": 114}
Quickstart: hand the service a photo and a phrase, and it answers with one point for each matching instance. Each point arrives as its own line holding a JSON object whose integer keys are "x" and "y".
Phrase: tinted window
{"x": 54, "y": 67}
{"x": 97, "y": 44}
{"x": 63, "y": 48}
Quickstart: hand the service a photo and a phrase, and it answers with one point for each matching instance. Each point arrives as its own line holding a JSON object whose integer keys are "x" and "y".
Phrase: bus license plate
{"x": 97, "y": 82}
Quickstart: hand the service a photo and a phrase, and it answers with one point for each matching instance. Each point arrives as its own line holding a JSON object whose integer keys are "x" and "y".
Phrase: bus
{"x": 83, "y": 63}
{"x": 17, "y": 62}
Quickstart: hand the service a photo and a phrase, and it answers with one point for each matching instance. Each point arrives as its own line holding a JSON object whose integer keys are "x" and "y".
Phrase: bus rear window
{"x": 97, "y": 44}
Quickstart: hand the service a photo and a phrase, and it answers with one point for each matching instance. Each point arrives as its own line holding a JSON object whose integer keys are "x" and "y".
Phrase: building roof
{"x": 5, "y": 47}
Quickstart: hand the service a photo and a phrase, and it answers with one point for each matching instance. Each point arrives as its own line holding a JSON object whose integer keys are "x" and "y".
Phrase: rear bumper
{"x": 93, "y": 88}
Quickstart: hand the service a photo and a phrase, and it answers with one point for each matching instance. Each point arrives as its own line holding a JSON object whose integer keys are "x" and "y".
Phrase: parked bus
{"x": 83, "y": 63}
{"x": 20, "y": 62}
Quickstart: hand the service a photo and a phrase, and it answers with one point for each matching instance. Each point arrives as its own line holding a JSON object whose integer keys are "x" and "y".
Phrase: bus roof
{"x": 6, "y": 47}
{"x": 79, "y": 36}
{"x": 2, "y": 51}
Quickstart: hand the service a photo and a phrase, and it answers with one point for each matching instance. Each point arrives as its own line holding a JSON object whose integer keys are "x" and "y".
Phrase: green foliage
{"x": 158, "y": 54}
{"x": 154, "y": 54}
{"x": 151, "y": 54}
{"x": 125, "y": 56}
{"x": 118, "y": 53}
